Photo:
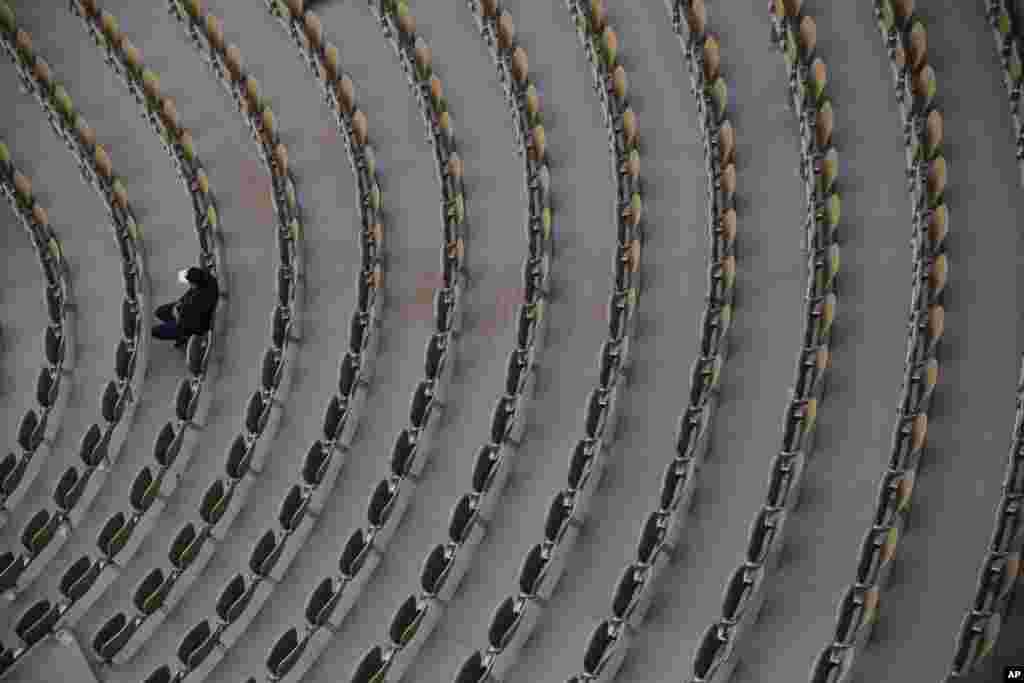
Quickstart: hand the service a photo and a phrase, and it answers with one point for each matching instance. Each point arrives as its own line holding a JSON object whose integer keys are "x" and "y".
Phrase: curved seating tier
{"x": 244, "y": 595}
{"x": 793, "y": 33}
{"x": 46, "y": 532}
{"x": 446, "y": 563}
{"x": 195, "y": 543}
{"x": 1005, "y": 18}
{"x": 903, "y": 34}
{"x": 42, "y": 422}
{"x": 516, "y": 616}
{"x": 632, "y": 595}
{"x": 155, "y": 482}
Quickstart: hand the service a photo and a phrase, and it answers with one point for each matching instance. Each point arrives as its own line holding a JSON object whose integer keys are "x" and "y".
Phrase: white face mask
{"x": 183, "y": 276}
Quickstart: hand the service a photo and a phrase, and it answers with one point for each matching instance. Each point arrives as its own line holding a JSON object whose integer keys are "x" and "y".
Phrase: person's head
{"x": 194, "y": 277}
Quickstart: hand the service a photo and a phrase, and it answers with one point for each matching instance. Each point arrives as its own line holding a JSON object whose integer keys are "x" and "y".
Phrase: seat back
{"x": 404, "y": 622}
{"x": 321, "y": 600}
{"x": 403, "y": 454}
{"x": 292, "y": 509}
{"x": 600, "y": 641}
{"x": 230, "y": 596}
{"x": 280, "y": 651}
{"x": 315, "y": 464}
{"x": 463, "y": 515}
{"x": 215, "y": 502}
{"x": 186, "y": 400}
{"x": 631, "y": 580}
{"x": 47, "y": 387}
{"x": 91, "y": 451}
{"x": 558, "y": 517}
{"x": 112, "y": 405}
{"x": 378, "y": 509}
{"x": 503, "y": 624}
{"x": 79, "y": 578}
{"x": 192, "y": 644}
{"x": 148, "y": 597}
{"x": 435, "y": 569}
{"x": 144, "y": 490}
{"x": 484, "y": 467}
{"x": 160, "y": 675}
{"x": 370, "y": 667}
{"x": 265, "y": 554}
{"x": 533, "y": 569}
{"x": 112, "y": 536}
{"x": 167, "y": 445}
{"x": 270, "y": 370}
{"x": 652, "y": 537}
{"x": 108, "y": 632}
{"x": 353, "y": 554}
{"x": 30, "y": 431}
{"x": 183, "y": 548}
{"x": 54, "y": 346}
{"x": 239, "y": 457}
{"x": 472, "y": 670}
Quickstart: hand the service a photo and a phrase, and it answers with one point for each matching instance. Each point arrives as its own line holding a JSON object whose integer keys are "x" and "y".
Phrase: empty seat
{"x": 485, "y": 467}
{"x": 533, "y": 570}
{"x": 12, "y": 473}
{"x": 503, "y": 421}
{"x": 114, "y": 535}
{"x": 265, "y": 554}
{"x": 79, "y": 577}
{"x": 714, "y": 651}
{"x": 197, "y": 354}
{"x": 69, "y": 489}
{"x": 504, "y": 623}
{"x": 11, "y": 568}
{"x": 257, "y": 414}
{"x": 654, "y": 538}
{"x": 94, "y": 447}
{"x": 234, "y": 598}
{"x": 349, "y": 376}
{"x": 335, "y": 420}
{"x": 168, "y": 445}
{"x": 562, "y": 516}
{"x": 47, "y": 387}
{"x": 601, "y": 654}
{"x": 353, "y": 555}
{"x": 382, "y": 500}
{"x": 436, "y": 568}
{"x": 858, "y": 611}
{"x": 473, "y": 670}
{"x": 406, "y": 620}
{"x": 152, "y": 591}
{"x": 113, "y": 635}
{"x": 215, "y": 501}
{"x": 124, "y": 361}
{"x": 31, "y": 430}
{"x": 197, "y": 645}
{"x": 315, "y": 464}
{"x": 39, "y": 531}
{"x": 787, "y": 470}
{"x": 239, "y": 457}
{"x": 187, "y": 545}
{"x": 114, "y": 402}
{"x": 284, "y": 653}
{"x": 145, "y": 490}
{"x": 423, "y": 404}
{"x": 582, "y": 463}
{"x": 678, "y": 475}
{"x": 54, "y": 346}
{"x": 373, "y": 667}
{"x": 37, "y": 622}
{"x": 404, "y": 454}
{"x": 163, "y": 674}
{"x": 186, "y": 400}
{"x": 765, "y": 535}
{"x": 294, "y": 508}
{"x": 322, "y": 601}
{"x": 436, "y": 356}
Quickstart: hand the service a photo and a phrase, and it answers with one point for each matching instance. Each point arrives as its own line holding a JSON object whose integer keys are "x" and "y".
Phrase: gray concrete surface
{"x": 973, "y": 407}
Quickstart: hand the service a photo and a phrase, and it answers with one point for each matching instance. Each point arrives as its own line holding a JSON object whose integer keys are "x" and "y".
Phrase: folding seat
{"x": 507, "y": 422}
{"x": 511, "y": 625}
{"x": 786, "y": 480}
{"x": 833, "y": 665}
{"x": 413, "y": 617}
{"x": 621, "y": 319}
{"x": 8, "y": 656}
{"x": 586, "y": 467}
{"x": 610, "y": 368}
{"x": 257, "y": 414}
{"x": 294, "y": 509}
{"x": 742, "y": 599}
{"x": 130, "y": 322}
{"x": 322, "y": 604}
{"x": 858, "y": 612}
{"x": 11, "y": 568}
{"x": 705, "y": 380}
{"x": 113, "y": 635}
{"x": 359, "y": 553}
{"x": 216, "y": 501}
{"x": 339, "y": 425}
{"x": 996, "y": 582}
{"x": 714, "y": 330}
{"x": 39, "y": 531}
{"x": 234, "y": 598}
{"x": 363, "y": 342}
{"x": 47, "y": 388}
{"x": 55, "y": 346}
{"x": 163, "y": 674}
{"x": 530, "y": 325}
{"x": 168, "y": 444}
{"x": 32, "y": 430}
{"x": 536, "y": 278}
{"x": 145, "y": 490}
{"x": 55, "y": 305}
{"x": 1008, "y": 535}
{"x": 438, "y": 363}
{"x": 151, "y": 593}
{"x": 188, "y": 544}
{"x": 909, "y": 439}
{"x": 477, "y": 667}
{"x": 978, "y": 636}
{"x": 69, "y": 489}
{"x": 197, "y": 645}
{"x": 79, "y": 578}
{"x": 284, "y": 331}
{"x": 385, "y": 508}
{"x": 352, "y": 386}
{"x": 691, "y": 437}
{"x": 715, "y": 658}
{"x": 677, "y": 486}
{"x": 316, "y": 465}
{"x": 114, "y": 536}
{"x": 374, "y": 665}
{"x": 601, "y": 416}
{"x": 12, "y": 475}
{"x": 285, "y": 653}
{"x": 467, "y": 524}
{"x": 813, "y": 369}
{"x": 606, "y": 650}
{"x": 520, "y": 374}
{"x": 798, "y": 431}
{"x": 440, "y": 575}
{"x": 186, "y": 402}
{"x": 408, "y": 457}
{"x": 894, "y": 494}
{"x": 265, "y": 555}
{"x": 425, "y": 414}
{"x": 490, "y": 472}
{"x": 765, "y": 542}
{"x": 447, "y": 311}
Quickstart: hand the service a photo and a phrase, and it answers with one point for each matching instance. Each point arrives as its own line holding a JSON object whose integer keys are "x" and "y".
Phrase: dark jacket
{"x": 196, "y": 306}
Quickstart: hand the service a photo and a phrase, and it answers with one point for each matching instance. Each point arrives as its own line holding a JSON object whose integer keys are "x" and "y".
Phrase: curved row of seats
{"x": 87, "y": 578}
{"x": 1005, "y": 18}
{"x": 45, "y": 532}
{"x": 794, "y": 34}
{"x": 446, "y": 563}
{"x": 1001, "y": 568}
{"x": 515, "y": 618}
{"x": 242, "y": 596}
{"x": 192, "y": 398}
{"x": 192, "y": 548}
{"x": 905, "y": 39}
{"x": 42, "y": 422}
{"x": 635, "y": 589}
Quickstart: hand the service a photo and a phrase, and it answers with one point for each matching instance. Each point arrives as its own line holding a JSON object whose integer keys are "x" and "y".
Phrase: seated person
{"x": 193, "y": 312}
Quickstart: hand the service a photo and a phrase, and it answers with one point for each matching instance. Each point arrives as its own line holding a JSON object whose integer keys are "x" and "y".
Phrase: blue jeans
{"x": 168, "y": 328}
